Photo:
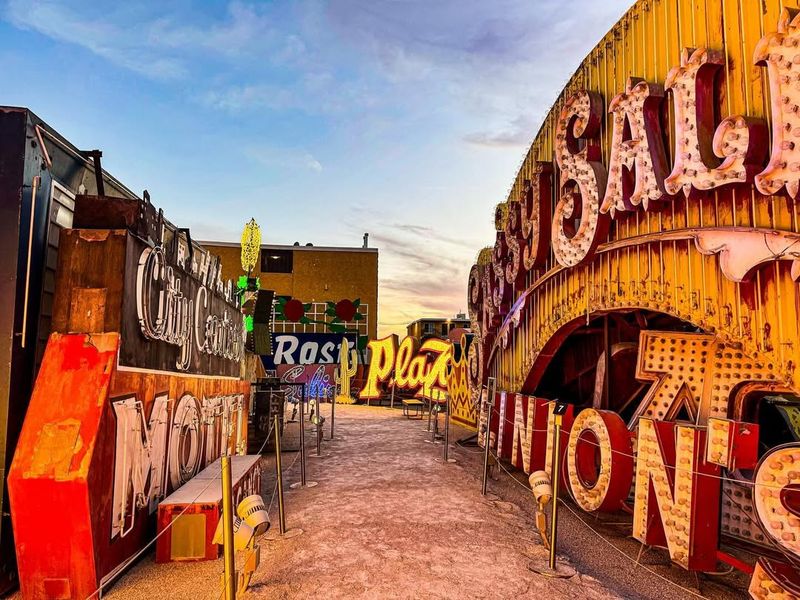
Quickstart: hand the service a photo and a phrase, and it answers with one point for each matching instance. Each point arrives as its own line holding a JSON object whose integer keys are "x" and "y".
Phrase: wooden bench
{"x": 417, "y": 406}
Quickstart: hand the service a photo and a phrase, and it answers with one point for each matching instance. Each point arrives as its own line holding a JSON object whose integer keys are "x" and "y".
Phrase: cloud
{"x": 262, "y": 95}
{"x": 428, "y": 233}
{"x": 496, "y": 67}
{"x": 245, "y": 30}
{"x": 499, "y": 63}
{"x": 423, "y": 273}
{"x": 151, "y": 43}
{"x": 284, "y": 158}
{"x": 518, "y": 134}
{"x": 253, "y": 57}
{"x": 98, "y": 36}
{"x": 311, "y": 93}
{"x": 390, "y": 96}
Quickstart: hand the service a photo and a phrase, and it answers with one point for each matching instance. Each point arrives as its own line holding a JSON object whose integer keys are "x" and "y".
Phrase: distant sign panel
{"x": 306, "y": 349}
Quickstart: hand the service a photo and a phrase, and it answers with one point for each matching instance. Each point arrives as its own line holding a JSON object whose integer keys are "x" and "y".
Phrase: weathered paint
{"x": 695, "y": 217}
{"x": 62, "y": 479}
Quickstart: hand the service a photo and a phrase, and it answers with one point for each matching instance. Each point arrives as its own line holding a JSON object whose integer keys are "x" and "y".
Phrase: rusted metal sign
{"x": 138, "y": 390}
{"x": 646, "y": 269}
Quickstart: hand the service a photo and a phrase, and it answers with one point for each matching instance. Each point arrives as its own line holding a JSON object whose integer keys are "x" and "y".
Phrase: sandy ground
{"x": 388, "y": 519}
{"x": 613, "y": 559}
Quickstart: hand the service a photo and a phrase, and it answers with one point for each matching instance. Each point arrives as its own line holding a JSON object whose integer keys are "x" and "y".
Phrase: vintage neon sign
{"x": 605, "y": 488}
{"x": 166, "y": 452}
{"x": 588, "y": 194}
{"x": 676, "y": 489}
{"x": 167, "y": 313}
{"x": 463, "y": 408}
{"x": 149, "y": 391}
{"x": 310, "y": 348}
{"x": 705, "y": 376}
{"x": 421, "y": 371}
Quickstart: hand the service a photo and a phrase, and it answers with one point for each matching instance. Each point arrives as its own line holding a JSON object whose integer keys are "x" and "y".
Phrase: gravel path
{"x": 387, "y": 520}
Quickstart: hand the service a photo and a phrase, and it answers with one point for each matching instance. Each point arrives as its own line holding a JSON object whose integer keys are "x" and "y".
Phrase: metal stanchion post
{"x": 446, "y": 457}
{"x": 303, "y": 482}
{"x": 555, "y": 480}
{"x": 490, "y": 387}
{"x": 333, "y": 411}
{"x": 279, "y": 486}
{"x": 303, "y": 436}
{"x": 430, "y": 406}
{"x": 435, "y": 428}
{"x": 318, "y": 430}
{"x": 227, "y": 530}
{"x": 391, "y": 400}
{"x": 553, "y": 570}
{"x": 279, "y": 475}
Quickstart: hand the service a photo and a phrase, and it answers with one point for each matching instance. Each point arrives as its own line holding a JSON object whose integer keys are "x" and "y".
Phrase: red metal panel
{"x": 167, "y": 512}
{"x": 66, "y": 461}
{"x": 57, "y": 555}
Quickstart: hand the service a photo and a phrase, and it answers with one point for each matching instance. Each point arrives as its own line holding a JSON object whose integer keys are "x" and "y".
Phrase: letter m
{"x": 139, "y": 461}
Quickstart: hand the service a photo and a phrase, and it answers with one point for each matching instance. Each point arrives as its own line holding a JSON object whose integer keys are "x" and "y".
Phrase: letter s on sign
{"x": 578, "y": 225}
{"x": 325, "y": 353}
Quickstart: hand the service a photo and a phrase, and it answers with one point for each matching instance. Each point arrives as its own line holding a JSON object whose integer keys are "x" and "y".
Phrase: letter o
{"x": 776, "y": 495}
{"x": 184, "y": 444}
{"x": 606, "y": 489}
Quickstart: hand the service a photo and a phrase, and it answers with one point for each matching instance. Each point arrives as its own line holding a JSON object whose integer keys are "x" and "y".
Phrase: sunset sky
{"x": 323, "y": 120}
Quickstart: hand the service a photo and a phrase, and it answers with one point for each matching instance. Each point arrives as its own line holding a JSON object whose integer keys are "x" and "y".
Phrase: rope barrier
{"x": 105, "y": 580}
{"x": 667, "y": 466}
{"x": 598, "y": 534}
{"x": 792, "y": 559}
{"x": 626, "y": 555}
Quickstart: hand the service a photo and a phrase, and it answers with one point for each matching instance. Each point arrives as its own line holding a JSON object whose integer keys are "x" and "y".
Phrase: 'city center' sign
{"x": 180, "y": 312}
{"x": 138, "y": 390}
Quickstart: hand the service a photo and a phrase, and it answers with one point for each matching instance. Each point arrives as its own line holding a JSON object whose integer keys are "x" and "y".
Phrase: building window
{"x": 427, "y": 328}
{"x": 444, "y": 329}
{"x": 276, "y": 261}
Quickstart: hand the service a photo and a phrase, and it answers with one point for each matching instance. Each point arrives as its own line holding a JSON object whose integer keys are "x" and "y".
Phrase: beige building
{"x": 436, "y": 327}
{"x": 314, "y": 275}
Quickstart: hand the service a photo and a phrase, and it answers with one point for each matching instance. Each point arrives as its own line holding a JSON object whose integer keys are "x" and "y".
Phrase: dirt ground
{"x": 388, "y": 519}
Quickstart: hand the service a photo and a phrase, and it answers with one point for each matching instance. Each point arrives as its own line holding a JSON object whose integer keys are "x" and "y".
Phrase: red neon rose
{"x": 345, "y": 310}
{"x": 294, "y": 310}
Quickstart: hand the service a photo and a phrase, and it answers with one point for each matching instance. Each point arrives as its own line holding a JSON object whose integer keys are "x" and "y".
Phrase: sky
{"x": 406, "y": 119}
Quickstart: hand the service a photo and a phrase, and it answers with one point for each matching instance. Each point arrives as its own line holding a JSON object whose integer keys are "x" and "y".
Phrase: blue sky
{"x": 323, "y": 120}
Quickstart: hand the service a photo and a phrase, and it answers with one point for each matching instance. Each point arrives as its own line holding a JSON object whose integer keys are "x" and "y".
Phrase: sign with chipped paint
{"x": 421, "y": 371}
{"x": 645, "y": 269}
{"x": 138, "y": 391}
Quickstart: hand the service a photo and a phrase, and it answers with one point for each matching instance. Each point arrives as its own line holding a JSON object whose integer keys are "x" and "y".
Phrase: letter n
{"x": 677, "y": 495}
{"x": 524, "y": 424}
